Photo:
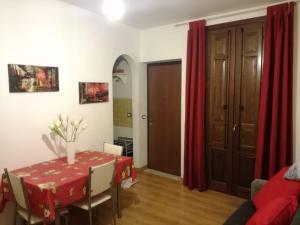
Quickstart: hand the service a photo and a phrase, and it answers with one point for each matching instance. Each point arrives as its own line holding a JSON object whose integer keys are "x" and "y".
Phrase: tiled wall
{"x": 122, "y": 106}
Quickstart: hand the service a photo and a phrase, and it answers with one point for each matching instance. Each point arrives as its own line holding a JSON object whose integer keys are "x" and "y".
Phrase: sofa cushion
{"x": 242, "y": 214}
{"x": 280, "y": 211}
{"x": 276, "y": 187}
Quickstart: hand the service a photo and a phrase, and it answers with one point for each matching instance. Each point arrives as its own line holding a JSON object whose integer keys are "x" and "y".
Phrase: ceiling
{"x": 142, "y": 14}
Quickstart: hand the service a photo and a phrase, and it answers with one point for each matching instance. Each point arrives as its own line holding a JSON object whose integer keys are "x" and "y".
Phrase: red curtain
{"x": 274, "y": 141}
{"x": 194, "y": 156}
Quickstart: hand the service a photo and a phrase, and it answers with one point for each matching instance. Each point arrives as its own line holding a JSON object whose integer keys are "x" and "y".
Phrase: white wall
{"x": 169, "y": 43}
{"x": 143, "y": 119}
{"x": 163, "y": 44}
{"x": 83, "y": 46}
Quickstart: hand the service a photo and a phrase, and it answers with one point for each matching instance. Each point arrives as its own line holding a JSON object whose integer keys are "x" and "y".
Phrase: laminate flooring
{"x": 156, "y": 200}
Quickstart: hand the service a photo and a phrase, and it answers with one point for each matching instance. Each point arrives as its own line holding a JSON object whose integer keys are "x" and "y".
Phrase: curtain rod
{"x": 234, "y": 13}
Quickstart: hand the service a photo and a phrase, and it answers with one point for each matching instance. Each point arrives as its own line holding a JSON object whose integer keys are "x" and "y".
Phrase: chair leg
{"x": 113, "y": 211}
{"x": 16, "y": 213}
{"x": 57, "y": 217}
{"x": 90, "y": 216}
{"x": 119, "y": 208}
{"x": 66, "y": 218}
{"x": 95, "y": 214}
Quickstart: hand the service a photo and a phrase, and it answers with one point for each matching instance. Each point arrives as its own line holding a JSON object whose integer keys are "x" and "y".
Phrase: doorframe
{"x": 175, "y": 61}
{"x": 235, "y": 23}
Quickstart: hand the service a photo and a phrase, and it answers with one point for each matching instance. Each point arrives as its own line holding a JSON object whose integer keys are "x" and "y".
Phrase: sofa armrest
{"x": 256, "y": 185}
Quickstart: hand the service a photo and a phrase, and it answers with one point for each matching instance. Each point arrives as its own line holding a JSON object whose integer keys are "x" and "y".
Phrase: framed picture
{"x": 90, "y": 92}
{"x": 28, "y": 78}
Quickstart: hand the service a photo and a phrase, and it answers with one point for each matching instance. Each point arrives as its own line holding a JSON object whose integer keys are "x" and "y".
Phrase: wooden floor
{"x": 156, "y": 200}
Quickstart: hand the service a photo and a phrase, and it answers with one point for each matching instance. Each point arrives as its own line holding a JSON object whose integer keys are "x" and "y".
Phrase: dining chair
{"x": 112, "y": 149}
{"x": 20, "y": 194}
{"x": 100, "y": 189}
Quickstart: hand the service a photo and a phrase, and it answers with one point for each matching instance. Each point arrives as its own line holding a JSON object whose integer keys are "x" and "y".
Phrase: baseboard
{"x": 162, "y": 174}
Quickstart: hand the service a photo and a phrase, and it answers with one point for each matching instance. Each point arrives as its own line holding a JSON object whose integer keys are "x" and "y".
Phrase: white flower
{"x": 61, "y": 128}
{"x": 58, "y": 123}
{"x": 51, "y": 126}
{"x": 76, "y": 124}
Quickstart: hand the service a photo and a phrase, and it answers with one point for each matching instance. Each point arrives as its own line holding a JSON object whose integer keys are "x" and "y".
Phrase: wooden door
{"x": 164, "y": 116}
{"x": 234, "y": 61}
{"x": 249, "y": 44}
{"x": 219, "y": 104}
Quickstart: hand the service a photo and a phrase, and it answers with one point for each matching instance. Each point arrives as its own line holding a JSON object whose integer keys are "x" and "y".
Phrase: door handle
{"x": 150, "y": 121}
{"x": 235, "y": 126}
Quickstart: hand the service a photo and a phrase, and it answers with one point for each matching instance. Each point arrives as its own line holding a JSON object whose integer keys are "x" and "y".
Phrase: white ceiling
{"x": 142, "y": 14}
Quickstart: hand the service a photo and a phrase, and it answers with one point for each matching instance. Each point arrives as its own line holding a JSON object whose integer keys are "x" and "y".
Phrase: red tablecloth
{"x": 55, "y": 183}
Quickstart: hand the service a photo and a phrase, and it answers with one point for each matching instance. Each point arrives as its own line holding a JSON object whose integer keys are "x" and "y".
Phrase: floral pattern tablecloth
{"x": 55, "y": 183}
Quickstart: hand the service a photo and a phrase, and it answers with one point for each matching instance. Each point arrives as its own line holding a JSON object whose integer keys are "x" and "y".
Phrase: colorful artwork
{"x": 93, "y": 92}
{"x": 26, "y": 78}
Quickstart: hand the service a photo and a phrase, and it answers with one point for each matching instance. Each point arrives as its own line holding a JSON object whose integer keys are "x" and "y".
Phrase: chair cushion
{"x": 97, "y": 200}
{"x": 276, "y": 187}
{"x": 242, "y": 214}
{"x": 280, "y": 211}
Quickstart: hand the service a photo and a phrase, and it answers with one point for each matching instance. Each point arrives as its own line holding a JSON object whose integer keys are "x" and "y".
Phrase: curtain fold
{"x": 194, "y": 146}
{"x": 274, "y": 140}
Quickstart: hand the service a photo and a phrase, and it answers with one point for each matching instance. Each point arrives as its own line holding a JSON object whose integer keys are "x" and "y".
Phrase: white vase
{"x": 70, "y": 151}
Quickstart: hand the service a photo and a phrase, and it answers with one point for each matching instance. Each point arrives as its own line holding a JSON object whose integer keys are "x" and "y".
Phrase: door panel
{"x": 247, "y": 89}
{"x": 218, "y": 103}
{"x": 164, "y": 110}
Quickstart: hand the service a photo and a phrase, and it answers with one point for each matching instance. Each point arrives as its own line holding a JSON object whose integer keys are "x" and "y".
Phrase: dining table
{"x": 55, "y": 184}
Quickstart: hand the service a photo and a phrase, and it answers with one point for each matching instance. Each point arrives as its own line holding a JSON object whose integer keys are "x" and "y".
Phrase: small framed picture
{"x": 92, "y": 92}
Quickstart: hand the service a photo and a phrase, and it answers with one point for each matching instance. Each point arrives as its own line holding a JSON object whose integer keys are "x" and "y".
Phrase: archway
{"x": 123, "y": 104}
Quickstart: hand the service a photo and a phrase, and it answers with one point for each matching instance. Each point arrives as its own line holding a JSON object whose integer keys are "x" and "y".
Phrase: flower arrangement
{"x": 67, "y": 129}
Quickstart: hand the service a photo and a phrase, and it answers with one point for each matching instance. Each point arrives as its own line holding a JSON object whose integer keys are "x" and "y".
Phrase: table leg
{"x": 119, "y": 207}
{"x": 57, "y": 216}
